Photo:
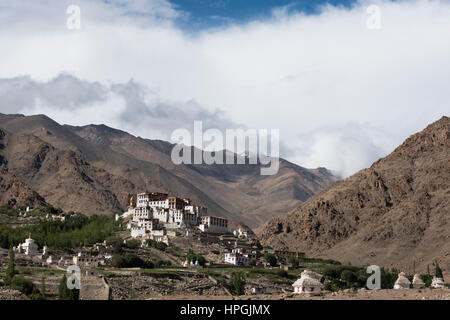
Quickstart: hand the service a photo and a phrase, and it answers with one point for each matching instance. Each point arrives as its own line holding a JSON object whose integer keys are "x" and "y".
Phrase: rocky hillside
{"x": 13, "y": 191}
{"x": 36, "y": 170}
{"x": 395, "y": 213}
{"x": 94, "y": 169}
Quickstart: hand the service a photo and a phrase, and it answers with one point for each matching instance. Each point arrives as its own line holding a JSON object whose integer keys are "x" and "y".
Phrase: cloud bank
{"x": 341, "y": 94}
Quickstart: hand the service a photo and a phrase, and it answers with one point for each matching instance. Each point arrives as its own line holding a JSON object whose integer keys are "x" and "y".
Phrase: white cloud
{"x": 310, "y": 76}
{"x": 127, "y": 105}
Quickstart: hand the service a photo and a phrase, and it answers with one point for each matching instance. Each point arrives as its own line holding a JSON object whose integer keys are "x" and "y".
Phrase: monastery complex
{"x": 158, "y": 216}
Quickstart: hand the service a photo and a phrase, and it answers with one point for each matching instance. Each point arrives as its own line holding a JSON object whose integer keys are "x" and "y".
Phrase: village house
{"x": 103, "y": 248}
{"x": 237, "y": 257}
{"x": 85, "y": 261}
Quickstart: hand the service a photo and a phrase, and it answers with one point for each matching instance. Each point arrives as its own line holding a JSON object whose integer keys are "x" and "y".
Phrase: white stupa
{"x": 402, "y": 282}
{"x": 437, "y": 283}
{"x": 308, "y": 283}
{"x": 417, "y": 282}
{"x": 29, "y": 247}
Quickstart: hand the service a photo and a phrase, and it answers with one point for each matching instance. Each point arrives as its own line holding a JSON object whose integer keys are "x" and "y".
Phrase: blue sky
{"x": 216, "y": 13}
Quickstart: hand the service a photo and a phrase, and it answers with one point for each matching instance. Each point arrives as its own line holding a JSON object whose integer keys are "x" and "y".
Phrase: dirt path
{"x": 426, "y": 294}
{"x": 94, "y": 288}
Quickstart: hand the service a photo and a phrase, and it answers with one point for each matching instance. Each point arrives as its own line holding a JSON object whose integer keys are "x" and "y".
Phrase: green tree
{"x": 388, "y": 278}
{"x": 427, "y": 279}
{"x": 43, "y": 288}
{"x": 437, "y": 270}
{"x": 11, "y": 270}
{"x": 133, "y": 244}
{"x": 192, "y": 257}
{"x": 65, "y": 293}
{"x": 117, "y": 261}
{"x": 133, "y": 261}
{"x": 237, "y": 283}
{"x": 23, "y": 285}
{"x": 293, "y": 262}
{"x": 118, "y": 247}
{"x": 349, "y": 277}
{"x": 282, "y": 273}
{"x": 271, "y": 259}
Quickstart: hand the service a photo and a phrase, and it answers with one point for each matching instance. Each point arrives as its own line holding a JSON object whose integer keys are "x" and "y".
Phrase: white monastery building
{"x": 237, "y": 257}
{"x": 156, "y": 215}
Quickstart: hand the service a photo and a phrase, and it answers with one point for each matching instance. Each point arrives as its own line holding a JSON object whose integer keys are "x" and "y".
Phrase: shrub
{"x": 129, "y": 260}
{"x": 23, "y": 285}
{"x": 149, "y": 264}
{"x": 156, "y": 244}
{"x": 133, "y": 244}
{"x": 282, "y": 273}
{"x": 162, "y": 263}
{"x": 427, "y": 279}
{"x": 332, "y": 285}
{"x": 192, "y": 257}
{"x": 37, "y": 296}
{"x": 252, "y": 263}
{"x": 332, "y": 272}
{"x": 172, "y": 250}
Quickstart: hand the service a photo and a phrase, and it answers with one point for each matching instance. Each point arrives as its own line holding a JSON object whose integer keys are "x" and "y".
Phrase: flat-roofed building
{"x": 213, "y": 224}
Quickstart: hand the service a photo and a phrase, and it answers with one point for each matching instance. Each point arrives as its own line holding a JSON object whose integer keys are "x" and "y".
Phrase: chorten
{"x": 417, "y": 282}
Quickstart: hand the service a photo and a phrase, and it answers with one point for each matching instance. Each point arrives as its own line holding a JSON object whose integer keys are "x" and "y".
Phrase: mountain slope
{"x": 144, "y": 175}
{"x": 63, "y": 177}
{"x": 238, "y": 192}
{"x": 237, "y": 188}
{"x": 395, "y": 213}
{"x": 13, "y": 191}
